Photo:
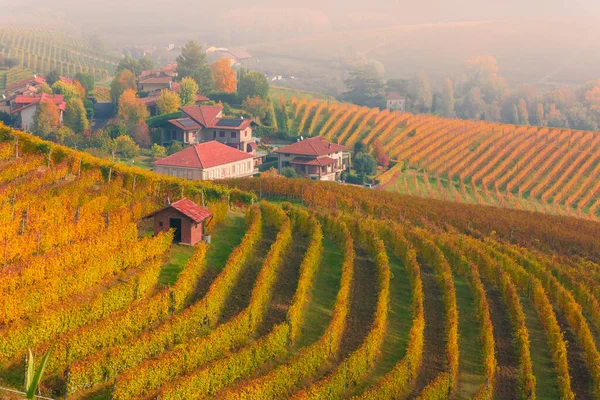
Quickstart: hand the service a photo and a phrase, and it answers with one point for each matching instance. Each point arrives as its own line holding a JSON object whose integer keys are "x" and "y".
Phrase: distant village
{"x": 195, "y": 137}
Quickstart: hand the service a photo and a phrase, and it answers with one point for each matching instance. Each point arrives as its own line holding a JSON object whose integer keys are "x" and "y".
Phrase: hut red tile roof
{"x": 315, "y": 146}
{"x": 394, "y": 96}
{"x": 188, "y": 208}
{"x": 204, "y": 155}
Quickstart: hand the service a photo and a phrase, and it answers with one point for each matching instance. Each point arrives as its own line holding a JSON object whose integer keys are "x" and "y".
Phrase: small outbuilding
{"x": 188, "y": 219}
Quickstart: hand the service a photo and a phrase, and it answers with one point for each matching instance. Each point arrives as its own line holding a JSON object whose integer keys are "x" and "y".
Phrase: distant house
{"x": 25, "y": 85}
{"x": 23, "y": 108}
{"x": 235, "y": 56}
{"x": 396, "y": 102}
{"x": 186, "y": 218}
{"x": 200, "y": 124}
{"x": 155, "y": 81}
{"x": 207, "y": 161}
{"x": 315, "y": 158}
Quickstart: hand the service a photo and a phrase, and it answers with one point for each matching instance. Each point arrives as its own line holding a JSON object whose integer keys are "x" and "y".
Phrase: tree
{"x": 52, "y": 77}
{"x": 46, "y": 119}
{"x": 366, "y": 87}
{"x": 11, "y": 62}
{"x": 582, "y": 118}
{"x": 592, "y": 99}
{"x": 175, "y": 147}
{"x": 131, "y": 64}
{"x": 86, "y": 80}
{"x": 44, "y": 88}
{"x": 6, "y": 118}
{"x": 66, "y": 89}
{"x": 256, "y": 107}
{"x": 141, "y": 135}
{"x": 188, "y": 89}
{"x": 380, "y": 154}
{"x": 63, "y": 135}
{"x": 420, "y": 94}
{"x": 223, "y": 76}
{"x": 270, "y": 118}
{"x": 364, "y": 164}
{"x": 167, "y": 102}
{"x": 446, "y": 104}
{"x": 483, "y": 72}
{"x": 289, "y": 172}
{"x": 474, "y": 104}
{"x": 131, "y": 110}
{"x": 539, "y": 115}
{"x": 523, "y": 113}
{"x": 123, "y": 81}
{"x": 556, "y": 119}
{"x": 75, "y": 116}
{"x": 126, "y": 146}
{"x": 192, "y": 62}
{"x": 146, "y": 64}
{"x": 158, "y": 151}
{"x": 515, "y": 114}
{"x": 80, "y": 89}
{"x": 252, "y": 84}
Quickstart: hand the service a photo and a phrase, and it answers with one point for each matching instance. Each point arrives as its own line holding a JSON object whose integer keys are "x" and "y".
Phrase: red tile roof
{"x": 188, "y": 208}
{"x": 156, "y": 80}
{"x": 204, "y": 155}
{"x": 204, "y": 115}
{"x": 313, "y": 161}
{"x": 27, "y": 101}
{"x": 315, "y": 146}
{"x": 394, "y": 96}
{"x": 66, "y": 80}
{"x": 209, "y": 117}
{"x": 21, "y": 83}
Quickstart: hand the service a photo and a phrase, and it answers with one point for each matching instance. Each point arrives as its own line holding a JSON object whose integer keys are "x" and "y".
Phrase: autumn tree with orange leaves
{"x": 46, "y": 119}
{"x": 131, "y": 110}
{"x": 224, "y": 76}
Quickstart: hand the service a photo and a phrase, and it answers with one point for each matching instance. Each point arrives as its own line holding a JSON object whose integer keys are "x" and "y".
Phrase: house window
{"x": 287, "y": 154}
{"x": 160, "y": 224}
{"x": 222, "y": 134}
{"x": 233, "y": 135}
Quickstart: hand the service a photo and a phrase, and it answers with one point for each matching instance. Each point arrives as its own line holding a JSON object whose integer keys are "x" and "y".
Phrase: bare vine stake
{"x": 109, "y": 174}
{"x": 17, "y": 148}
{"x": 79, "y": 169}
{"x": 133, "y": 186}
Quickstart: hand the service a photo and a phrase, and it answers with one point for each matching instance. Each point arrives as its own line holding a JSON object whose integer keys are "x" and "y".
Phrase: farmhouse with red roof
{"x": 207, "y": 161}
{"x": 186, "y": 218}
{"x": 155, "y": 80}
{"x": 200, "y": 124}
{"x": 315, "y": 158}
{"x": 395, "y": 102}
{"x": 24, "y": 107}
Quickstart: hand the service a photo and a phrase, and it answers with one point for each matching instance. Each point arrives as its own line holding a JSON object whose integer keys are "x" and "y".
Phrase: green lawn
{"x": 224, "y": 239}
{"x": 471, "y": 374}
{"x": 179, "y": 255}
{"x": 324, "y": 292}
{"x": 543, "y": 366}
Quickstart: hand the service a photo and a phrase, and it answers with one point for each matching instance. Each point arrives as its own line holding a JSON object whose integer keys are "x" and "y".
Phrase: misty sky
{"x": 404, "y": 11}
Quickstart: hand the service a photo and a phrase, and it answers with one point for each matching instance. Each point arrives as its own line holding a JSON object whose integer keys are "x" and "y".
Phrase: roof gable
{"x": 204, "y": 115}
{"x": 204, "y": 155}
{"x": 188, "y": 208}
{"x": 315, "y": 146}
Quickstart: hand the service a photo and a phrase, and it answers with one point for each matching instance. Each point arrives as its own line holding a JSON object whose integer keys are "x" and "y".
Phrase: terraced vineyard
{"x": 315, "y": 291}
{"x": 41, "y": 51}
{"x": 524, "y": 167}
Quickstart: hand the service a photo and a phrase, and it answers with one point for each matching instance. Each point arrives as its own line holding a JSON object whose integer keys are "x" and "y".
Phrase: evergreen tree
{"x": 252, "y": 84}
{"x": 446, "y": 103}
{"x": 192, "y": 63}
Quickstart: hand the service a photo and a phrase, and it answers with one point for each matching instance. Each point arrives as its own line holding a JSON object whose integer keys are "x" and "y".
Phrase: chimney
{"x": 329, "y": 145}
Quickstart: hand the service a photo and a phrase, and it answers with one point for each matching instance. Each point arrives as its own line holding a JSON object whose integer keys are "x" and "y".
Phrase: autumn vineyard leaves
{"x": 308, "y": 290}
{"x": 524, "y": 167}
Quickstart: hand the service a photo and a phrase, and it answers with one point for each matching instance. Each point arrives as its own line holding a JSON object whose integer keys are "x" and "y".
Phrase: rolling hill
{"x": 317, "y": 290}
{"x": 41, "y": 51}
{"x": 525, "y": 167}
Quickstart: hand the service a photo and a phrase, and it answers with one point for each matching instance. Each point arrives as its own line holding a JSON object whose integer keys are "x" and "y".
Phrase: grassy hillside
{"x": 41, "y": 50}
{"x": 525, "y": 167}
{"x": 343, "y": 292}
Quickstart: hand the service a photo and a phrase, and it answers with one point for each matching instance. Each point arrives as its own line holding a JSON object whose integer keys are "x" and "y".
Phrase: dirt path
{"x": 581, "y": 380}
{"x": 507, "y": 374}
{"x": 285, "y": 287}
{"x": 434, "y": 352}
{"x": 363, "y": 303}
